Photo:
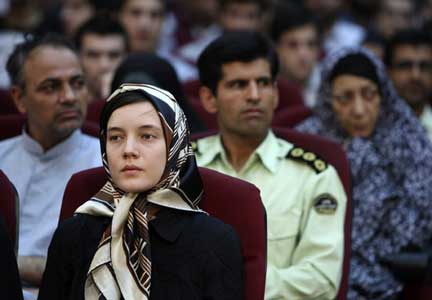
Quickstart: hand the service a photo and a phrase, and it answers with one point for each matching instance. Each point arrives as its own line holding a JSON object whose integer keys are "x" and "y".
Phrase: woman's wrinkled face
{"x": 356, "y": 104}
{"x": 136, "y": 147}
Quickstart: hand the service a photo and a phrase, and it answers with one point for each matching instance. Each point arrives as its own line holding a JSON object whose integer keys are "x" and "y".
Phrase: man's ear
{"x": 17, "y": 94}
{"x": 208, "y": 100}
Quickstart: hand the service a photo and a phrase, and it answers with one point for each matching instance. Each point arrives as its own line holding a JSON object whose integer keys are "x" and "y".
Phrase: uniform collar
{"x": 268, "y": 153}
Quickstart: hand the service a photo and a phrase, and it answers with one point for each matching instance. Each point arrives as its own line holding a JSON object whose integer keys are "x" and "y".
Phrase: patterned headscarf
{"x": 121, "y": 266}
{"x": 392, "y": 186}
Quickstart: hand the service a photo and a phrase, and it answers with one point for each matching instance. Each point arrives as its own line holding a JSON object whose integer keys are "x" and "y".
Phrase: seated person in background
{"x": 297, "y": 38}
{"x": 102, "y": 44}
{"x": 390, "y": 158}
{"x": 243, "y": 14}
{"x": 409, "y": 63}
{"x": 305, "y": 239}
{"x": 151, "y": 69}
{"x": 48, "y": 86}
{"x": 142, "y": 236}
{"x": 10, "y": 285}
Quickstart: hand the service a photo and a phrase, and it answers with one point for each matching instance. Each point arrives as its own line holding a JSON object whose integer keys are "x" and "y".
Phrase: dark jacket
{"x": 10, "y": 284}
{"x": 194, "y": 256}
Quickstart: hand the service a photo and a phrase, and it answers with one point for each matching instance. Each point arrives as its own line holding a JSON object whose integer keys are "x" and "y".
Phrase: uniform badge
{"x": 325, "y": 204}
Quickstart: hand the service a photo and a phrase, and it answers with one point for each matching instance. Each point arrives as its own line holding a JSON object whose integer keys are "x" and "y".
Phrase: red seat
{"x": 8, "y": 207}
{"x": 290, "y": 117}
{"x": 232, "y": 200}
{"x": 94, "y": 110}
{"x": 11, "y": 126}
{"x": 334, "y": 154}
{"x": 7, "y": 106}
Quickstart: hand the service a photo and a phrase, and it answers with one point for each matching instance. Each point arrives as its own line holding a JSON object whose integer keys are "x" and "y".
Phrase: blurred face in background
{"x": 241, "y": 16}
{"x": 411, "y": 72}
{"x": 54, "y": 95}
{"x": 142, "y": 20}
{"x": 100, "y": 55}
{"x": 74, "y": 13}
{"x": 298, "y": 51}
{"x": 356, "y": 104}
{"x": 199, "y": 12}
{"x": 395, "y": 15}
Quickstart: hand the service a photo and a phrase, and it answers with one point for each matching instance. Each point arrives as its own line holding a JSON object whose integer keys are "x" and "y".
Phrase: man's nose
{"x": 68, "y": 94}
{"x": 253, "y": 91}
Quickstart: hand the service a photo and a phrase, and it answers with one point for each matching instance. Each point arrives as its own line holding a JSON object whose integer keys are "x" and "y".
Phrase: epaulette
{"x": 308, "y": 157}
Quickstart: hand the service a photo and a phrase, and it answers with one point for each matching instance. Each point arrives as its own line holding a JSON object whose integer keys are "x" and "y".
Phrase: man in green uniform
{"x": 303, "y": 196}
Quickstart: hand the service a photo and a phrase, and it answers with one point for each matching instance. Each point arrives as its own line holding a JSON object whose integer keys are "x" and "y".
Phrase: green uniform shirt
{"x": 305, "y": 203}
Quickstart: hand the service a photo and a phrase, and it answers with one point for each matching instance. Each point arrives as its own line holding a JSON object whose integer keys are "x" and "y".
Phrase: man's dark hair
{"x": 16, "y": 61}
{"x": 101, "y": 24}
{"x": 412, "y": 37}
{"x": 241, "y": 46}
{"x": 263, "y": 4}
{"x": 290, "y": 16}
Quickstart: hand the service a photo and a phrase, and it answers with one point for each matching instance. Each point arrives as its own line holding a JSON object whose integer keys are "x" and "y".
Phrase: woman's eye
{"x": 147, "y": 136}
{"x": 114, "y": 138}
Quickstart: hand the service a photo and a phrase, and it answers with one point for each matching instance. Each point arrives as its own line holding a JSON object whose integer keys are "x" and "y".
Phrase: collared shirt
{"x": 40, "y": 178}
{"x": 426, "y": 120}
{"x": 305, "y": 244}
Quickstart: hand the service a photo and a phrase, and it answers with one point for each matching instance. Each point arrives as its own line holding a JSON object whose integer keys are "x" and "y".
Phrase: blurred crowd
{"x": 386, "y": 45}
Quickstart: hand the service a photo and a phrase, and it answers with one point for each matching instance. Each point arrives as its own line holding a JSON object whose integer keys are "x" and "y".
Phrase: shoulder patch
{"x": 325, "y": 204}
{"x": 308, "y": 157}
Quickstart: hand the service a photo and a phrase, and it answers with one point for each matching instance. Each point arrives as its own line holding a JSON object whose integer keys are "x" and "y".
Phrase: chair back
{"x": 9, "y": 207}
{"x": 231, "y": 200}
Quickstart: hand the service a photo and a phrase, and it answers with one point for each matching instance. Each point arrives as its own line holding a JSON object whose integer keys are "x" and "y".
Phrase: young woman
{"x": 142, "y": 236}
{"x": 390, "y": 159}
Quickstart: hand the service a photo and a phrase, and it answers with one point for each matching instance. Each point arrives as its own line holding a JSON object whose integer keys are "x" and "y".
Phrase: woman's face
{"x": 356, "y": 103}
{"x": 136, "y": 147}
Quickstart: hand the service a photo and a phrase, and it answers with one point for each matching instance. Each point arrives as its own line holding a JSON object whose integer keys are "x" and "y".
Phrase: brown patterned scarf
{"x": 121, "y": 266}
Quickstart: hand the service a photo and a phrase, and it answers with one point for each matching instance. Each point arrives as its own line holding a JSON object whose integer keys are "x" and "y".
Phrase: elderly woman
{"x": 391, "y": 163}
{"x": 142, "y": 236}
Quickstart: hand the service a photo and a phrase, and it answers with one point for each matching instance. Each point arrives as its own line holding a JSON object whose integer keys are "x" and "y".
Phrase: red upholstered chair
{"x": 7, "y": 106}
{"x": 291, "y": 116}
{"x": 94, "y": 110}
{"x": 11, "y": 126}
{"x": 9, "y": 207}
{"x": 234, "y": 201}
{"x": 334, "y": 154}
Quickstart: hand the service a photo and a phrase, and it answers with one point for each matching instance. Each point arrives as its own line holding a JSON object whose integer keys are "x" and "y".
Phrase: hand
{"x": 31, "y": 269}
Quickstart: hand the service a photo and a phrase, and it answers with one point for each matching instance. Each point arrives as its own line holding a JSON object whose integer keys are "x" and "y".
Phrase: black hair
{"x": 290, "y": 16}
{"x": 109, "y": 107}
{"x": 263, "y": 4}
{"x": 104, "y": 25}
{"x": 413, "y": 37}
{"x": 242, "y": 46}
{"x": 16, "y": 61}
{"x": 357, "y": 64}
